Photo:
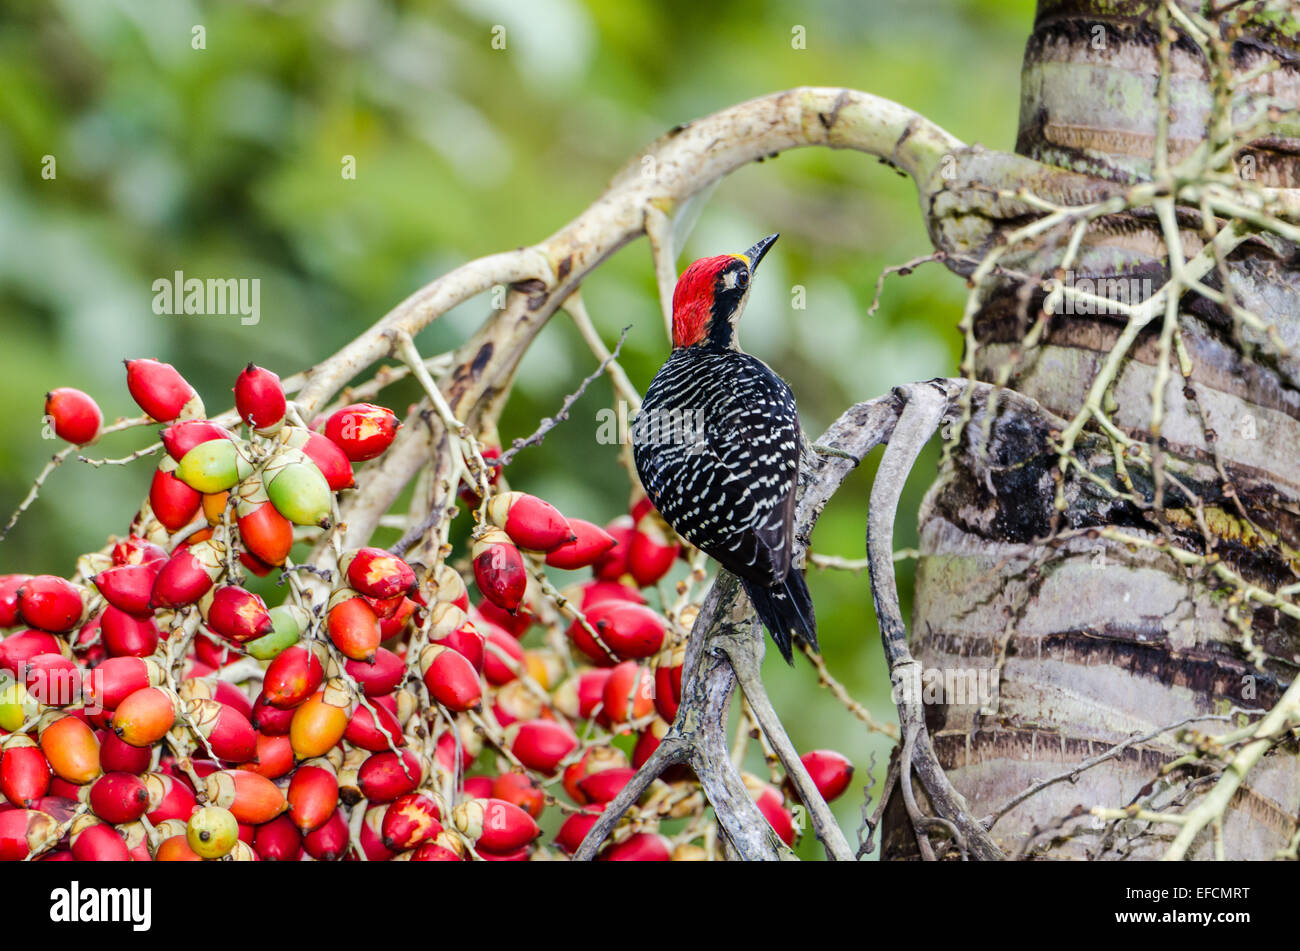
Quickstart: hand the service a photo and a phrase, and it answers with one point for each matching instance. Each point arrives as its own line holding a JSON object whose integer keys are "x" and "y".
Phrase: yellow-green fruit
{"x": 212, "y": 832}
{"x": 283, "y": 636}
{"x": 17, "y": 706}
{"x": 213, "y": 466}
{"x": 300, "y": 493}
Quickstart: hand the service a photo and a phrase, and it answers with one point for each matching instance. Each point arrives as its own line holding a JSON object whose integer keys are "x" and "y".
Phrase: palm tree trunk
{"x": 1095, "y": 645}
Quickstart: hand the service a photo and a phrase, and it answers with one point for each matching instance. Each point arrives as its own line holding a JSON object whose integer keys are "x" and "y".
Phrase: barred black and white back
{"x": 716, "y": 446}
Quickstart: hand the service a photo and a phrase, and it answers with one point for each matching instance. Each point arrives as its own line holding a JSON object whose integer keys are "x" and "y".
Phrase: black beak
{"x": 755, "y": 254}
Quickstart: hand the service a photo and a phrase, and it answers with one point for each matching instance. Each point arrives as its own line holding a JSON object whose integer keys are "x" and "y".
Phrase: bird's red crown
{"x": 693, "y": 299}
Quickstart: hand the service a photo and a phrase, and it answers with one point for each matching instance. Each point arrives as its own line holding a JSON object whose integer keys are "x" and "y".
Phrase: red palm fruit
{"x": 232, "y": 697}
{"x": 95, "y": 841}
{"x": 252, "y": 799}
{"x": 319, "y": 723}
{"x": 592, "y": 593}
{"x": 499, "y": 569}
{"x": 772, "y": 805}
{"x": 75, "y": 415}
{"x": 353, "y": 626}
{"x": 238, "y": 614}
{"x": 612, "y": 565}
{"x": 409, "y": 822}
{"x": 531, "y": 523}
{"x": 50, "y": 603}
{"x": 53, "y": 680}
{"x": 229, "y": 735}
{"x": 212, "y": 652}
{"x": 647, "y": 741}
{"x": 445, "y": 847}
{"x": 639, "y": 847}
{"x": 588, "y": 646}
{"x": 374, "y": 734}
{"x": 385, "y": 776}
{"x": 18, "y": 649}
{"x": 377, "y": 573}
{"x": 24, "y": 773}
{"x": 266, "y": 533}
{"x": 589, "y": 544}
{"x": 134, "y": 550}
{"x": 118, "y": 756}
{"x": 176, "y": 848}
{"x": 478, "y": 787}
{"x": 629, "y": 630}
{"x": 273, "y": 721}
{"x": 393, "y": 625}
{"x": 381, "y": 677}
{"x": 831, "y": 772}
{"x": 518, "y": 855}
{"x": 496, "y": 669}
{"x": 126, "y": 636}
{"x": 313, "y": 794}
{"x": 593, "y": 760}
{"x": 161, "y": 391}
{"x": 70, "y": 747}
{"x": 169, "y": 798}
{"x": 541, "y": 744}
{"x": 88, "y": 643}
{"x": 652, "y": 550}
{"x": 274, "y": 757}
{"x": 259, "y": 399}
{"x": 516, "y": 624}
{"x": 579, "y": 696}
{"x": 255, "y": 565}
{"x": 9, "y": 585}
{"x": 629, "y": 693}
{"x": 449, "y": 586}
{"x": 293, "y": 676}
{"x": 451, "y": 679}
{"x": 362, "y": 430}
{"x": 23, "y": 831}
{"x": 144, "y": 716}
{"x": 187, "y": 575}
{"x": 495, "y": 825}
{"x": 278, "y": 841}
{"x": 118, "y": 798}
{"x": 668, "y": 681}
{"x": 329, "y": 458}
{"x": 516, "y": 787}
{"x": 604, "y": 785}
{"x": 385, "y": 608}
{"x": 173, "y": 502}
{"x": 128, "y": 587}
{"x": 179, "y": 438}
{"x": 575, "y": 829}
{"x": 330, "y": 841}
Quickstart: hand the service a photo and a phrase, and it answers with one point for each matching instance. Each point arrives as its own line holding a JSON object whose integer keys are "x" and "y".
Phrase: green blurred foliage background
{"x": 226, "y": 162}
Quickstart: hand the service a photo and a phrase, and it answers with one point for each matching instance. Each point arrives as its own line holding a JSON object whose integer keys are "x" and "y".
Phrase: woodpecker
{"x": 717, "y": 444}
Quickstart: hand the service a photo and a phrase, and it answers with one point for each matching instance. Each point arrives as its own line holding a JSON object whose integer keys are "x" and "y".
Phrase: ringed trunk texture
{"x": 1093, "y": 643}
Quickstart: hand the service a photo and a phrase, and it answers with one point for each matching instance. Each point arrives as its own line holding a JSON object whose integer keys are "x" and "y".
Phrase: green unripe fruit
{"x": 284, "y": 635}
{"x": 298, "y": 490}
{"x": 213, "y": 466}
{"x": 17, "y": 706}
{"x": 212, "y": 832}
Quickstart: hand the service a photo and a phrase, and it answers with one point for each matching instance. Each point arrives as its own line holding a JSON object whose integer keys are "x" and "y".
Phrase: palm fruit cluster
{"x": 153, "y": 707}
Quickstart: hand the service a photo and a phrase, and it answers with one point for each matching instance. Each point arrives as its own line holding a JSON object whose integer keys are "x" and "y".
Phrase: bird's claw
{"x": 833, "y": 451}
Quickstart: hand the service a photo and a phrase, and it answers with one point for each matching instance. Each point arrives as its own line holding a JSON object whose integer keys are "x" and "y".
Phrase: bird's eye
{"x": 742, "y": 278}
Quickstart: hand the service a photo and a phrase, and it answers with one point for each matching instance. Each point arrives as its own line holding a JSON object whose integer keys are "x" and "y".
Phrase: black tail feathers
{"x": 786, "y": 610}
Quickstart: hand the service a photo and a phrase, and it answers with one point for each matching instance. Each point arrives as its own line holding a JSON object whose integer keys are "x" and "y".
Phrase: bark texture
{"x": 1094, "y": 642}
